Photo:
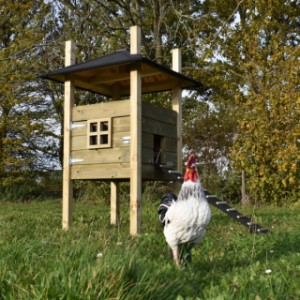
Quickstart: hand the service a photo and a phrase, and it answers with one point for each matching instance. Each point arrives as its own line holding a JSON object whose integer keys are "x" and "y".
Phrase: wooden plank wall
{"x": 162, "y": 122}
{"x": 114, "y": 163}
{"x": 104, "y": 163}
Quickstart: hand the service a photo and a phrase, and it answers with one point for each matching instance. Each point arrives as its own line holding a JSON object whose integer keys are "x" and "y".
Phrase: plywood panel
{"x": 101, "y": 156}
{"x": 101, "y": 110}
{"x": 101, "y": 171}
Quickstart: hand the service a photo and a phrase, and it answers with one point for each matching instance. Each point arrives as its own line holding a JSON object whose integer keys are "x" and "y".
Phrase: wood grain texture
{"x": 136, "y": 135}
{"x": 101, "y": 156}
{"x": 68, "y": 104}
{"x": 114, "y": 203}
{"x": 101, "y": 171}
{"x": 101, "y": 110}
{"x": 177, "y": 104}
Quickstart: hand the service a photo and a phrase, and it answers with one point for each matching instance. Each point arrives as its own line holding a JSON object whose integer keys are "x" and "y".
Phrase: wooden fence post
{"x": 245, "y": 198}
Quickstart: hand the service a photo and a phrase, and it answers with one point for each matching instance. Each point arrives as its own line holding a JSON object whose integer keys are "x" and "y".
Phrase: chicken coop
{"x": 123, "y": 138}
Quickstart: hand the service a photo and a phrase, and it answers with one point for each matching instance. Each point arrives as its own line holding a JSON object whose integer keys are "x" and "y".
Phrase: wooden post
{"x": 114, "y": 203}
{"x": 135, "y": 132}
{"x": 177, "y": 105}
{"x": 114, "y": 185}
{"x": 244, "y": 195}
{"x": 68, "y": 105}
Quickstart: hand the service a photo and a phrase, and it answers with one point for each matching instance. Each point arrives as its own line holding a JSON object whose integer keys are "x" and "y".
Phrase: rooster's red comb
{"x": 191, "y": 160}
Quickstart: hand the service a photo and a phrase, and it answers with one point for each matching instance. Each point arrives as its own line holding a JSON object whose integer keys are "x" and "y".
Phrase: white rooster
{"x": 185, "y": 219}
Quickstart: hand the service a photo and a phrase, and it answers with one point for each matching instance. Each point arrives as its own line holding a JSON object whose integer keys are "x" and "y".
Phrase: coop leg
{"x": 67, "y": 208}
{"x": 136, "y": 135}
{"x": 114, "y": 203}
{"x": 69, "y": 90}
{"x": 135, "y": 208}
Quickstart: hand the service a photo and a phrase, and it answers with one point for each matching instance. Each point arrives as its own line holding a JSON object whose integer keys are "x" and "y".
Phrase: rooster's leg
{"x": 176, "y": 256}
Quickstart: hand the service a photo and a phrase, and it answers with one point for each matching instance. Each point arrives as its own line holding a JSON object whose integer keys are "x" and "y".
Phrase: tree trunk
{"x": 157, "y": 31}
{"x": 245, "y": 198}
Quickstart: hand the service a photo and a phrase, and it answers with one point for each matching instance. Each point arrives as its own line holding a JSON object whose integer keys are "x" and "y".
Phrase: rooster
{"x": 185, "y": 218}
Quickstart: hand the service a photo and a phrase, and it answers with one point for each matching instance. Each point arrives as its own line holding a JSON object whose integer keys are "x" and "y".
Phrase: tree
{"x": 254, "y": 60}
{"x": 266, "y": 148}
{"x": 22, "y": 110}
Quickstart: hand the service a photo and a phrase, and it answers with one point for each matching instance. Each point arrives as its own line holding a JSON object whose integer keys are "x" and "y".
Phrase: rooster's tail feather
{"x": 165, "y": 204}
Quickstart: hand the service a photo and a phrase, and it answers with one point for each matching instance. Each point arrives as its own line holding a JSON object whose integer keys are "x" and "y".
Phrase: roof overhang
{"x": 106, "y": 74}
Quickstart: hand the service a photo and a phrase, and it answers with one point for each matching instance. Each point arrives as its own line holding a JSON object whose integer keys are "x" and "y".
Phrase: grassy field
{"x": 95, "y": 260}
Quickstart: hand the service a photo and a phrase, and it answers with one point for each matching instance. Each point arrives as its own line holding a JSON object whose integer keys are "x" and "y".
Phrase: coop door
{"x": 99, "y": 133}
{"x": 158, "y": 150}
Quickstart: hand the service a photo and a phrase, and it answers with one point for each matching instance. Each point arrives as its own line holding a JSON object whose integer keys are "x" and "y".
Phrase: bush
{"x": 19, "y": 192}
{"x": 37, "y": 186}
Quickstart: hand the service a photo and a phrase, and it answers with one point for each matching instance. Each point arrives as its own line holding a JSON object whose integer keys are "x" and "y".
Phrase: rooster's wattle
{"x": 185, "y": 218}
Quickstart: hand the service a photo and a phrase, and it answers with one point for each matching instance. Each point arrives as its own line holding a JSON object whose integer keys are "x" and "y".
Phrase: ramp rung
{"x": 262, "y": 230}
{"x": 251, "y": 223}
{"x": 241, "y": 217}
{"x": 221, "y": 202}
{"x": 211, "y": 196}
{"x": 173, "y": 171}
{"x": 231, "y": 209}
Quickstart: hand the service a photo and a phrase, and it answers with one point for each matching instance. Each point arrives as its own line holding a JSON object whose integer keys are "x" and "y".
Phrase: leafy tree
{"x": 266, "y": 148}
{"x": 102, "y": 26}
{"x": 23, "y": 113}
{"x": 252, "y": 54}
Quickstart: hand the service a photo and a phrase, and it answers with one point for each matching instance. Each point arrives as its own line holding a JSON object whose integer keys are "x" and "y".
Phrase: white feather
{"x": 187, "y": 218}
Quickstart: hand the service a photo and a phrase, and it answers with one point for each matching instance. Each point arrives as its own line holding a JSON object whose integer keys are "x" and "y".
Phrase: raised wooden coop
{"x": 120, "y": 139}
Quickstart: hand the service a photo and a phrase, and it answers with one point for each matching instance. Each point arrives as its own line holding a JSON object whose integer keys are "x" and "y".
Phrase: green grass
{"x": 38, "y": 260}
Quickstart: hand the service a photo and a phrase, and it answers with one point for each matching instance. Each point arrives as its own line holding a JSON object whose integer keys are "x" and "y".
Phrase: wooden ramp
{"x": 235, "y": 214}
{"x": 223, "y": 206}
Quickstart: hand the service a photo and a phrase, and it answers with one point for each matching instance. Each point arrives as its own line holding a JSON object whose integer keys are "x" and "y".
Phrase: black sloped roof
{"x": 103, "y": 75}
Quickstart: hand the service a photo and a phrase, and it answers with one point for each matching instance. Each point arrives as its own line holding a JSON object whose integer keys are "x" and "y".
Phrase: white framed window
{"x": 99, "y": 133}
